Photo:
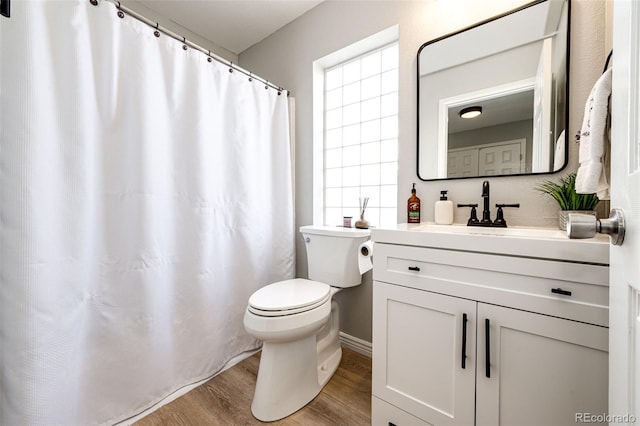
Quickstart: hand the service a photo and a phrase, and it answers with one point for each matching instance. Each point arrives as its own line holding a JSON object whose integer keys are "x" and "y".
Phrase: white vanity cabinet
{"x": 462, "y": 337}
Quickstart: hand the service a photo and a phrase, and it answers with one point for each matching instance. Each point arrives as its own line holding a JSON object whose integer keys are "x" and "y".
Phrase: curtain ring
{"x": 120, "y": 12}
{"x": 184, "y": 41}
{"x": 230, "y": 66}
{"x": 279, "y": 91}
{"x": 266, "y": 85}
{"x": 156, "y": 32}
{"x": 209, "y": 59}
{"x": 250, "y": 77}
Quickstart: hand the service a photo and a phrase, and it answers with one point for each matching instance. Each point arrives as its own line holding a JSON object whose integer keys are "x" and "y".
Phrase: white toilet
{"x": 298, "y": 323}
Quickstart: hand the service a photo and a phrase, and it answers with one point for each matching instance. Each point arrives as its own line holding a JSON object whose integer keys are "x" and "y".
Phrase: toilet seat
{"x": 289, "y": 297}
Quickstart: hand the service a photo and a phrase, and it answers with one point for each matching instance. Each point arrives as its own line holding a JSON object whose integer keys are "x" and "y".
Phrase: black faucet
{"x": 486, "y": 212}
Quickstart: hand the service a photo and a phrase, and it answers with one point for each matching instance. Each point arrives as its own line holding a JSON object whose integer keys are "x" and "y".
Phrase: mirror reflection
{"x": 492, "y": 99}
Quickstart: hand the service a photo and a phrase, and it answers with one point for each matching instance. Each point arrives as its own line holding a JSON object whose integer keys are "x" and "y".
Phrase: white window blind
{"x": 361, "y": 138}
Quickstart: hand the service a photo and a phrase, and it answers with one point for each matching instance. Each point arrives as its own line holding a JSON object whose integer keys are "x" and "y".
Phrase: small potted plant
{"x": 568, "y": 199}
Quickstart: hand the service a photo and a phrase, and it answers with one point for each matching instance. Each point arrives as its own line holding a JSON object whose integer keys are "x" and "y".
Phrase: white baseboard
{"x": 355, "y": 344}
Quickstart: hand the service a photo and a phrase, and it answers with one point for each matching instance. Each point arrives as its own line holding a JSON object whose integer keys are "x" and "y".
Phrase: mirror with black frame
{"x": 492, "y": 98}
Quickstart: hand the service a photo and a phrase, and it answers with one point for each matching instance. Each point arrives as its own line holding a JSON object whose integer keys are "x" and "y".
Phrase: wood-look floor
{"x": 226, "y": 399}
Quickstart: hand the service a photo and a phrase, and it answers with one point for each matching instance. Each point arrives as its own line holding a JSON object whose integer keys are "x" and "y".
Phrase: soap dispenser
{"x": 444, "y": 210}
{"x": 413, "y": 207}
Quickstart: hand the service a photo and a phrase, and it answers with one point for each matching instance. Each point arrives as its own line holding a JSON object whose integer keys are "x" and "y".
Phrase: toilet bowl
{"x": 298, "y": 322}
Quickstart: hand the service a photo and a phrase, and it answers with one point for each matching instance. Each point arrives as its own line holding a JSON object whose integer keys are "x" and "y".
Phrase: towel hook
{"x": 606, "y": 64}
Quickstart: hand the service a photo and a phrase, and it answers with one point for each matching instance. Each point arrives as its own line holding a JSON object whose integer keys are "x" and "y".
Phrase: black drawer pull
{"x": 414, "y": 268}
{"x": 561, "y": 291}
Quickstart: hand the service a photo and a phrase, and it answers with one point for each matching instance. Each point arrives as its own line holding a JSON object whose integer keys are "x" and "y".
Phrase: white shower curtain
{"x": 145, "y": 194}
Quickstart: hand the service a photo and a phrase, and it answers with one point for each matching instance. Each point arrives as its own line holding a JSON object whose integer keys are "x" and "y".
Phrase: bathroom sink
{"x": 547, "y": 243}
{"x": 522, "y": 232}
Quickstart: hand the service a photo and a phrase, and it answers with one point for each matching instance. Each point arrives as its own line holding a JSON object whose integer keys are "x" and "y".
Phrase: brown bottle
{"x": 413, "y": 207}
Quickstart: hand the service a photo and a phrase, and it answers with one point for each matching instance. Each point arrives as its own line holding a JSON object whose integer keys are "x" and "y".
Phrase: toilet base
{"x": 292, "y": 373}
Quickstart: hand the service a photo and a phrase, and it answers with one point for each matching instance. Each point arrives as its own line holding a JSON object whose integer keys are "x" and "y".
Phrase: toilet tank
{"x": 332, "y": 254}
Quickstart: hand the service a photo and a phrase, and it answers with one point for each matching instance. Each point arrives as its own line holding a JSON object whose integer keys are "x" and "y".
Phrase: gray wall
{"x": 286, "y": 57}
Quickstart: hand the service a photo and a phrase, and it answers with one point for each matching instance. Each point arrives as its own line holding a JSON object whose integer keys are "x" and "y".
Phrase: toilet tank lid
{"x": 336, "y": 231}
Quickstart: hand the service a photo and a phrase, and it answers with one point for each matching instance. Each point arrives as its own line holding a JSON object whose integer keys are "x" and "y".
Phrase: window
{"x": 361, "y": 138}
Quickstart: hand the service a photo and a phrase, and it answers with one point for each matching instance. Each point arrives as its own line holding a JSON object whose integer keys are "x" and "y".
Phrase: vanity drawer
{"x": 564, "y": 289}
{"x": 385, "y": 414}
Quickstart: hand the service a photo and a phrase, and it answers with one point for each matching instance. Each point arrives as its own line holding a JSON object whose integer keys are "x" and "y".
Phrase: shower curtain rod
{"x": 122, "y": 10}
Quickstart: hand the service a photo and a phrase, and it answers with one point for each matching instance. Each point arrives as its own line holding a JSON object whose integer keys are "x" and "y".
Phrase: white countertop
{"x": 546, "y": 243}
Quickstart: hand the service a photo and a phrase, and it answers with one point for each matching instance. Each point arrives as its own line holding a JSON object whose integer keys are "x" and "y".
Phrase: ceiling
{"x": 234, "y": 25}
{"x": 495, "y": 111}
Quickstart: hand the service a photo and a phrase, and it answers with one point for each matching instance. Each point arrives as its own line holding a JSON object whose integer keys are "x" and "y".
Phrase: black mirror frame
{"x": 566, "y": 132}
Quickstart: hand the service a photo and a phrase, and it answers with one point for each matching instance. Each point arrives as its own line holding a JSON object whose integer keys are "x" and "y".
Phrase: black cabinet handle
{"x": 414, "y": 268}
{"x": 5, "y": 8}
{"x": 561, "y": 291}
{"x": 464, "y": 340}
{"x": 487, "y": 354}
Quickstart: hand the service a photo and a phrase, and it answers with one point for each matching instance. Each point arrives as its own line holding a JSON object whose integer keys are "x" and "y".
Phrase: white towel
{"x": 593, "y": 140}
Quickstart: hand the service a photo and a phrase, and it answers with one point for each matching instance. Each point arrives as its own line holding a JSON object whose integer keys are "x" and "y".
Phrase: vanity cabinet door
{"x": 542, "y": 370}
{"x": 418, "y": 364}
